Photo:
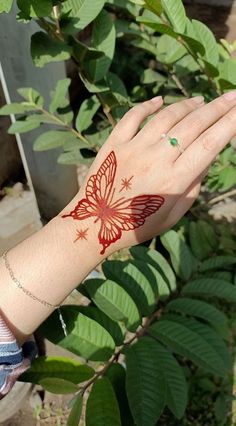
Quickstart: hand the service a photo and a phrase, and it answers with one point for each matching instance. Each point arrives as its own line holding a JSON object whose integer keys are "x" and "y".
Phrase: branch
{"x": 196, "y": 59}
{"x": 222, "y": 197}
{"x": 61, "y": 122}
{"x": 139, "y": 333}
{"x": 179, "y": 84}
{"x": 56, "y": 13}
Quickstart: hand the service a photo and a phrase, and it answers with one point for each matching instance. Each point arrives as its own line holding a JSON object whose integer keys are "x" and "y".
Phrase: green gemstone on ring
{"x": 173, "y": 141}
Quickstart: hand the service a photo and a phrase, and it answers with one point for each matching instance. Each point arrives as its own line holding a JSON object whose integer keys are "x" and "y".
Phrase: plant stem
{"x": 195, "y": 57}
{"x": 56, "y": 13}
{"x": 179, "y": 84}
{"x": 139, "y": 333}
{"x": 222, "y": 197}
{"x": 59, "y": 121}
{"x": 106, "y": 110}
{"x": 56, "y": 33}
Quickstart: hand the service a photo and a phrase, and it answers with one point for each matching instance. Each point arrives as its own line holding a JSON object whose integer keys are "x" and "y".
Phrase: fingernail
{"x": 198, "y": 99}
{"x": 156, "y": 99}
{"x": 230, "y": 96}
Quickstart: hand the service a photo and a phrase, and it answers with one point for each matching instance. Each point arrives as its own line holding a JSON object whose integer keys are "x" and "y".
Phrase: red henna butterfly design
{"x": 115, "y": 216}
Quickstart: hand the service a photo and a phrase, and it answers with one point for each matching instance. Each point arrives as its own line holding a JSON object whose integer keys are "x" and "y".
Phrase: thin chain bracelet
{"x": 28, "y": 293}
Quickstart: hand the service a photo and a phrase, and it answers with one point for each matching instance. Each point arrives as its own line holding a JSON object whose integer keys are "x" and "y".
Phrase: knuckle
{"x": 190, "y": 104}
{"x": 221, "y": 106}
{"x": 137, "y": 111}
{"x": 208, "y": 141}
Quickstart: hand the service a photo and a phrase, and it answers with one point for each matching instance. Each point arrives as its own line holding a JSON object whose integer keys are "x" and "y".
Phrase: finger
{"x": 167, "y": 118}
{"x": 195, "y": 123}
{"x": 129, "y": 125}
{"x": 201, "y": 153}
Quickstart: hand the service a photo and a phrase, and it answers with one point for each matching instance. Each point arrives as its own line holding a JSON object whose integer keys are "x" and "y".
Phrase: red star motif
{"x": 81, "y": 234}
{"x": 126, "y": 184}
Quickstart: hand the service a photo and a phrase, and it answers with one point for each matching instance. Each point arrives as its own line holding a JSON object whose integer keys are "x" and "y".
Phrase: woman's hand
{"x": 140, "y": 185}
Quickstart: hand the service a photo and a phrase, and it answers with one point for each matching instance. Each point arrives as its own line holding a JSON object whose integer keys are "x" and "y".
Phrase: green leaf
{"x": 208, "y": 230}
{"x": 197, "y": 308}
{"x": 35, "y": 8}
{"x": 41, "y": 8}
{"x": 138, "y": 2}
{"x": 150, "y": 76}
{"x": 57, "y": 367}
{"x": 102, "y": 407}
{"x": 221, "y": 408}
{"x": 228, "y": 71}
{"x": 115, "y": 329}
{"x": 132, "y": 9}
{"x": 198, "y": 241}
{"x": 103, "y": 39}
{"x": 86, "y": 113}
{"x": 217, "y": 262}
{"x": 60, "y": 95}
{"x": 227, "y": 178}
{"x": 169, "y": 50}
{"x": 222, "y": 275}
{"x": 184, "y": 263}
{"x": 145, "y": 383}
{"x": 83, "y": 53}
{"x": 128, "y": 276}
{"x": 157, "y": 25}
{"x": 116, "y": 373}
{"x": 54, "y": 139}
{"x": 15, "y": 108}
{"x": 73, "y": 157}
{"x": 210, "y": 336}
{"x": 58, "y": 386}
{"x": 85, "y": 10}
{"x": 176, "y": 386}
{"x": 159, "y": 286}
{"x": 175, "y": 12}
{"x": 211, "y": 287}
{"x": 155, "y": 259}
{"x": 31, "y": 96}
{"x": 186, "y": 65}
{"x": 98, "y": 139}
{"x": 154, "y": 6}
{"x": 6, "y": 6}
{"x": 185, "y": 342}
{"x": 23, "y": 126}
{"x": 76, "y": 411}
{"x": 190, "y": 38}
{"x": 44, "y": 49}
{"x": 99, "y": 87}
{"x": 146, "y": 45}
{"x": 114, "y": 301}
{"x": 207, "y": 39}
{"x": 85, "y": 337}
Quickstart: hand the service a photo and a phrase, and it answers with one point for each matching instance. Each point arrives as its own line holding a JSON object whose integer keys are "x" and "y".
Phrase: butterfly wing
{"x": 128, "y": 215}
{"x": 99, "y": 188}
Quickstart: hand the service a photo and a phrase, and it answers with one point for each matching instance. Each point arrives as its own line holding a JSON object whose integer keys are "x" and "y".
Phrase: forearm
{"x": 50, "y": 266}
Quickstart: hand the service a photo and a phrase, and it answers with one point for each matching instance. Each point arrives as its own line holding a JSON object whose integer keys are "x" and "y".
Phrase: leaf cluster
{"x": 151, "y": 326}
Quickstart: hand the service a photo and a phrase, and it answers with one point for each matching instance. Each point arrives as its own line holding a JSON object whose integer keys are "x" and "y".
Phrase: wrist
{"x": 77, "y": 241}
